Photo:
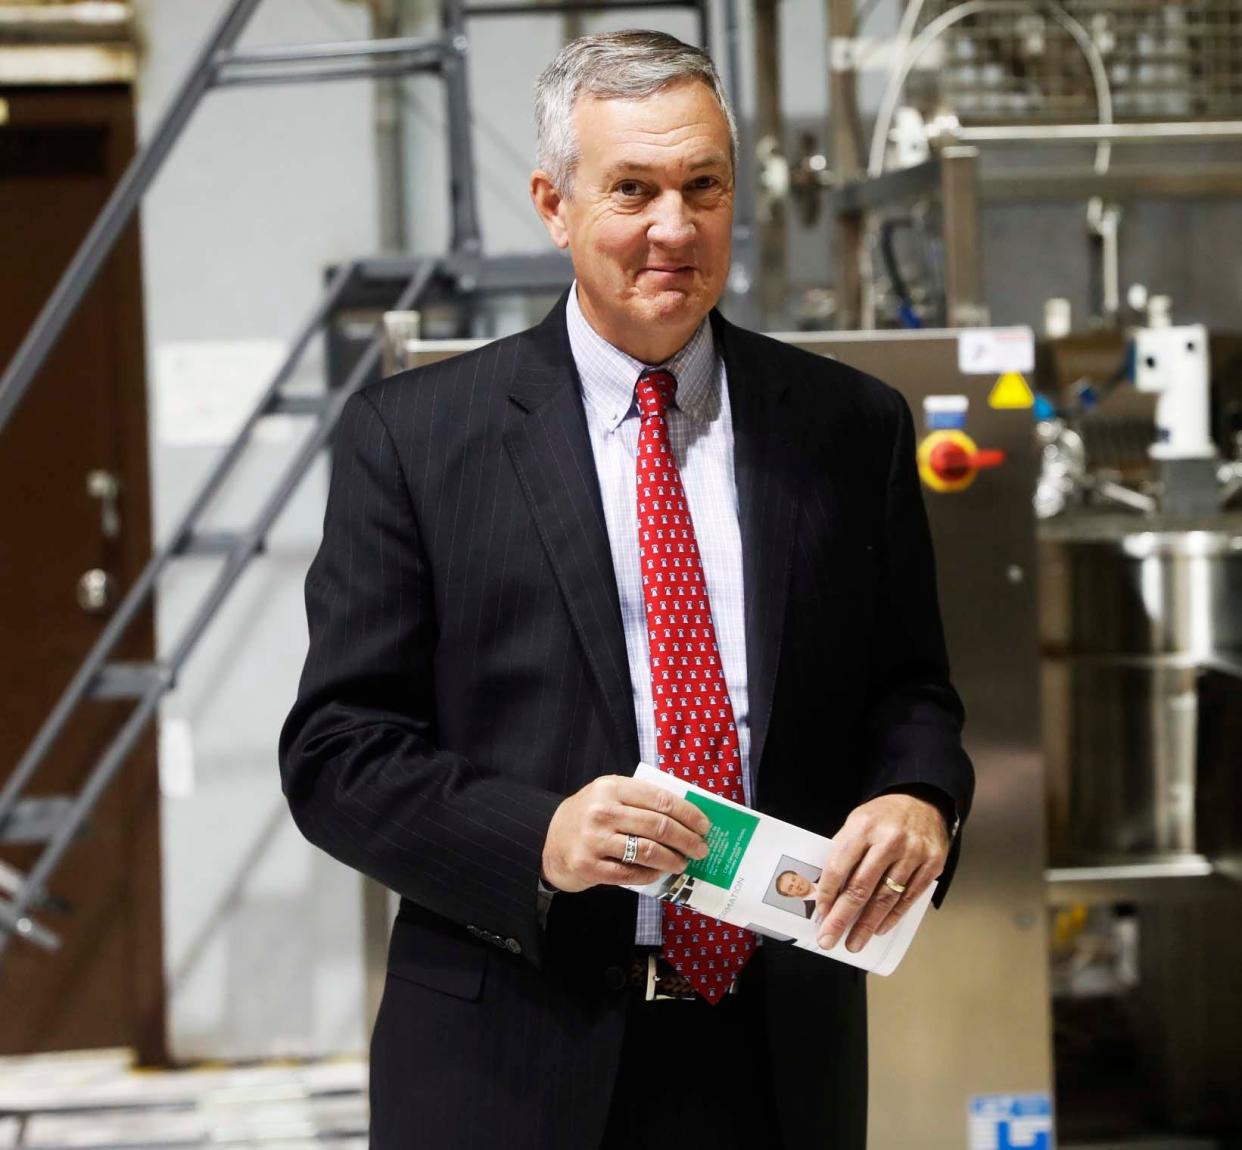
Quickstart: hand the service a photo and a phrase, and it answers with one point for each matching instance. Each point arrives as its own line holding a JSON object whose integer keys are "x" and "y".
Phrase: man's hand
{"x": 586, "y": 837}
{"x": 896, "y": 835}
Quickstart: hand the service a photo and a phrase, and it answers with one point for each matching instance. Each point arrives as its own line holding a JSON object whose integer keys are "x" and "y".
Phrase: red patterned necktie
{"x": 696, "y": 737}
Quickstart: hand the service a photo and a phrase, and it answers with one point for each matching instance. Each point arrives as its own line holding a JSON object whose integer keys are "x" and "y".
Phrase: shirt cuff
{"x": 543, "y": 901}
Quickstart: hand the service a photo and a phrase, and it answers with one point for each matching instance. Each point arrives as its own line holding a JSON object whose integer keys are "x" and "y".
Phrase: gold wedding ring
{"x": 631, "y": 849}
{"x": 896, "y": 887}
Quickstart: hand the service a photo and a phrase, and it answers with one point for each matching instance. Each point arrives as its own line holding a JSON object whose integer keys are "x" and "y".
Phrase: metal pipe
{"x": 506, "y": 9}
{"x": 1159, "y": 133}
{"x": 254, "y": 77}
{"x": 336, "y": 50}
{"x": 389, "y": 122}
{"x": 100, "y": 240}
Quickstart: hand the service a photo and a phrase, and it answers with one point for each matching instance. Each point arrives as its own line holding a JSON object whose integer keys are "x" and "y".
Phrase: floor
{"x": 96, "y": 1099}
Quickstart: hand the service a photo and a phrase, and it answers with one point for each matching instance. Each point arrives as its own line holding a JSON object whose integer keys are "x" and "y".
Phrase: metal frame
{"x": 954, "y": 172}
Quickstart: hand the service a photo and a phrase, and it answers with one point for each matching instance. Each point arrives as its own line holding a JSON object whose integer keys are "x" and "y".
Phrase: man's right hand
{"x": 586, "y": 837}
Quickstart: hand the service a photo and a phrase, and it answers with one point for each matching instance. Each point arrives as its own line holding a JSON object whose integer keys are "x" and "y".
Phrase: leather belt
{"x": 659, "y": 981}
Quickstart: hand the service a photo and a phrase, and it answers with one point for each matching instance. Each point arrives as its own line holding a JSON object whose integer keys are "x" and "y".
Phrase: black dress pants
{"x": 694, "y": 1076}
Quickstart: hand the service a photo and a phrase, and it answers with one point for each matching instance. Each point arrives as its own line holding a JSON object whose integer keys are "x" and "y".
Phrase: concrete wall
{"x": 266, "y": 186}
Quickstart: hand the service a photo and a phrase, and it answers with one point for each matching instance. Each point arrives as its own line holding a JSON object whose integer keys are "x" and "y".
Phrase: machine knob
{"x": 949, "y": 460}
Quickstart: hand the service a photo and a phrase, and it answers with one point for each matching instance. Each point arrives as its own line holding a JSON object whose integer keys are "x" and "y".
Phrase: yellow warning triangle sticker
{"x": 1011, "y": 391}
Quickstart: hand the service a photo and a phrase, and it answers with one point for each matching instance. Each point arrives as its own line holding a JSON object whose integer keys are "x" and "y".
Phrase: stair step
{"x": 210, "y": 543}
{"x": 128, "y": 680}
{"x": 297, "y": 404}
{"x": 34, "y": 820}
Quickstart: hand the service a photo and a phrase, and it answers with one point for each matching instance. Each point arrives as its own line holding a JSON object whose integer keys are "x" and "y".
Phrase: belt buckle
{"x": 653, "y": 995}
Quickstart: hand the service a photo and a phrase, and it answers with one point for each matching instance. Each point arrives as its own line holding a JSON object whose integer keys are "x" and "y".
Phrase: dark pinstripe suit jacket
{"x": 467, "y": 670}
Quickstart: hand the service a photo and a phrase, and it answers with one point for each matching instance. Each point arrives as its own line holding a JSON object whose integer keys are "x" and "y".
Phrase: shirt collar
{"x": 609, "y": 375}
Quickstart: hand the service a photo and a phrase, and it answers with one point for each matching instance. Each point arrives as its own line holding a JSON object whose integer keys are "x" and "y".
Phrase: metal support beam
{"x": 769, "y": 144}
{"x": 959, "y": 194}
{"x": 351, "y": 60}
{"x": 465, "y": 235}
{"x": 846, "y": 161}
{"x": 899, "y": 185}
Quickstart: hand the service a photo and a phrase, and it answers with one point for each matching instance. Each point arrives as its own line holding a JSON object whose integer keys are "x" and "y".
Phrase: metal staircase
{"x": 55, "y": 822}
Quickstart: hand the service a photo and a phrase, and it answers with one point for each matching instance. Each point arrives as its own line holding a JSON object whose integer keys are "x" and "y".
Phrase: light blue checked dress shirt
{"x": 701, "y": 432}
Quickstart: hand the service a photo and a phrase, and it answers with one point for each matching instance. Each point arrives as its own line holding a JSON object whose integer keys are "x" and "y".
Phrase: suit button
{"x": 614, "y": 978}
{"x": 513, "y": 946}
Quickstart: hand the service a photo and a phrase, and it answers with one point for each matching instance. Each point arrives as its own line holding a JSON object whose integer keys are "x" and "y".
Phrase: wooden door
{"x": 61, "y": 152}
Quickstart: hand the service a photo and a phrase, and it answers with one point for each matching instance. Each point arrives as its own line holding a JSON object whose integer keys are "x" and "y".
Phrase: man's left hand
{"x": 896, "y": 835}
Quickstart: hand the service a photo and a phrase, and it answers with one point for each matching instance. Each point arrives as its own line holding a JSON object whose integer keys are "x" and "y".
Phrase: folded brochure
{"x": 760, "y": 873}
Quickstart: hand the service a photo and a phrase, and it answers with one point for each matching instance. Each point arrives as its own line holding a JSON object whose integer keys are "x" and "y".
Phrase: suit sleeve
{"x": 360, "y": 767}
{"x": 913, "y": 714}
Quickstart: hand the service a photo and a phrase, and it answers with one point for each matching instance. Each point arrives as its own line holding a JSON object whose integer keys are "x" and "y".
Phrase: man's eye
{"x": 704, "y": 182}
{"x": 630, "y": 188}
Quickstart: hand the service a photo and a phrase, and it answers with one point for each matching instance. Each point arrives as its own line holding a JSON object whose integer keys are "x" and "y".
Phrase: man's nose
{"x": 673, "y": 222}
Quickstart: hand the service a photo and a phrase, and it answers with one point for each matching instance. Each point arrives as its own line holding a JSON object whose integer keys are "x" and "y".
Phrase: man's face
{"x": 793, "y": 885}
{"x": 649, "y": 224}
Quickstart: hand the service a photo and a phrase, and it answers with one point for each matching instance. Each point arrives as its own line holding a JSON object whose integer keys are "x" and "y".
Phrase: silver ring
{"x": 896, "y": 887}
{"x": 631, "y": 849}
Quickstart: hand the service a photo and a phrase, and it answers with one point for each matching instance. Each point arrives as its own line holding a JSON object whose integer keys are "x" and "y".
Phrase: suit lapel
{"x": 551, "y": 451}
{"x": 765, "y": 471}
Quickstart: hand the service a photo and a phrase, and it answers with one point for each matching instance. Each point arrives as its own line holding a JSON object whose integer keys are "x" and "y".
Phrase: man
{"x": 791, "y": 884}
{"x": 632, "y": 531}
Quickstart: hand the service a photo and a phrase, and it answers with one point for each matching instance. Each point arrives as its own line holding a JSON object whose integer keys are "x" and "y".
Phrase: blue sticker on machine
{"x": 1010, "y": 1122}
{"x": 945, "y": 412}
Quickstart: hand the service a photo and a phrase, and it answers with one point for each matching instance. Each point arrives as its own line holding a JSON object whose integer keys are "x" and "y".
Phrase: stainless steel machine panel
{"x": 1135, "y": 610}
{"x": 968, "y": 1011}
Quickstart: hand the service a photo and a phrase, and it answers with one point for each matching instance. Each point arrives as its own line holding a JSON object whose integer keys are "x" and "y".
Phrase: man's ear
{"x": 550, "y": 205}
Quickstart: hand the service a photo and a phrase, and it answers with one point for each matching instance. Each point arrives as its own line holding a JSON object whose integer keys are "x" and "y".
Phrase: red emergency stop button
{"x": 949, "y": 460}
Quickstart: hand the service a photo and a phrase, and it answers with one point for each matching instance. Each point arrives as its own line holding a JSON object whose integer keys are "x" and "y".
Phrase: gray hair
{"x": 629, "y": 65}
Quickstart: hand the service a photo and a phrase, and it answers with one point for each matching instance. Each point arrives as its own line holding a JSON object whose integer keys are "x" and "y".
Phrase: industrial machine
{"x": 1140, "y": 544}
{"x": 1093, "y": 925}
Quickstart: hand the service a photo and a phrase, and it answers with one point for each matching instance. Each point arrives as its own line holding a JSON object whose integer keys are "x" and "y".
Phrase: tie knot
{"x": 656, "y": 388}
